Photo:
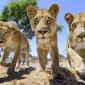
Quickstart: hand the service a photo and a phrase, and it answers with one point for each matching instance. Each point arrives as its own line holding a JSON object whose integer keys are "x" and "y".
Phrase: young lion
{"x": 12, "y": 38}
{"x": 76, "y": 41}
{"x": 43, "y": 23}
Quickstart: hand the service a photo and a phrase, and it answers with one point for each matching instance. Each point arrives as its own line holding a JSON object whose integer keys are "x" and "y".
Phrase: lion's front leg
{"x": 55, "y": 61}
{"x": 14, "y": 61}
{"x": 42, "y": 57}
{"x": 5, "y": 56}
{"x": 73, "y": 58}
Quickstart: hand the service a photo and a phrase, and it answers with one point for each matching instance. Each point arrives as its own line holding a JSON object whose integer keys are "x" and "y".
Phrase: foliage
{"x": 16, "y": 11}
{"x": 59, "y": 27}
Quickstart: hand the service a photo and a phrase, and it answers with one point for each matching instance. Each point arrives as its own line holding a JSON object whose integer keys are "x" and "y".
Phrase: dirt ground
{"x": 33, "y": 76}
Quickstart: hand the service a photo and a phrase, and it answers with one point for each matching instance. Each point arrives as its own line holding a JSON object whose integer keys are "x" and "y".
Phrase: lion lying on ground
{"x": 12, "y": 38}
{"x": 43, "y": 22}
{"x": 76, "y": 41}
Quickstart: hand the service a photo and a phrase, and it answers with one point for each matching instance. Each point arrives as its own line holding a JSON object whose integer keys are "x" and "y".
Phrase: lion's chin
{"x": 80, "y": 46}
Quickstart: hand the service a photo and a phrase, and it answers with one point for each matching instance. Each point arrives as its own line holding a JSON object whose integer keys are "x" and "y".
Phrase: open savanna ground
{"x": 32, "y": 75}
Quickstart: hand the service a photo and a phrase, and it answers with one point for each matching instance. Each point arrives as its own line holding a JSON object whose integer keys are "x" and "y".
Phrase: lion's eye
{"x": 49, "y": 20}
{"x": 73, "y": 26}
{"x": 36, "y": 20}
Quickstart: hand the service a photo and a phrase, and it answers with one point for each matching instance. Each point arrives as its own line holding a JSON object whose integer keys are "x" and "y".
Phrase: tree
{"x": 16, "y": 11}
{"x": 59, "y": 27}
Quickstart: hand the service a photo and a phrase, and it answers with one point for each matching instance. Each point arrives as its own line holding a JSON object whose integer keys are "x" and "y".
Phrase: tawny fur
{"x": 43, "y": 22}
{"x": 12, "y": 38}
{"x": 76, "y": 41}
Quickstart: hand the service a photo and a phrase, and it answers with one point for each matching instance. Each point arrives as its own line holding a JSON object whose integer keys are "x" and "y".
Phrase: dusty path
{"x": 32, "y": 76}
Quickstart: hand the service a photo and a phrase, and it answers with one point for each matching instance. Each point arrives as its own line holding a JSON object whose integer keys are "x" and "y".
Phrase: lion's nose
{"x": 81, "y": 35}
{"x": 43, "y": 31}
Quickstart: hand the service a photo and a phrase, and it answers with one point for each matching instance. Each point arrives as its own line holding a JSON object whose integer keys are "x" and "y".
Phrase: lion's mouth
{"x": 1, "y": 41}
{"x": 43, "y": 37}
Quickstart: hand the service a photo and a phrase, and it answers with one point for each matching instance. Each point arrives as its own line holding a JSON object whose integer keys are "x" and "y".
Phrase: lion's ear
{"x": 31, "y": 11}
{"x": 53, "y": 10}
{"x": 69, "y": 18}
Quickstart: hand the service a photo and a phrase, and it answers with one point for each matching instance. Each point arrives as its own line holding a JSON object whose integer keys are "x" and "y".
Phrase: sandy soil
{"x": 33, "y": 76}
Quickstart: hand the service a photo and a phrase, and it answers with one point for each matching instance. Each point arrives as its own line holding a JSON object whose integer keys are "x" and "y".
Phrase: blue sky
{"x": 3, "y": 3}
{"x": 73, "y": 6}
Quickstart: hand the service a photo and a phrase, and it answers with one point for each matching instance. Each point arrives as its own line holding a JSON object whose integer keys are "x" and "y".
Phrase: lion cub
{"x": 76, "y": 41}
{"x": 12, "y": 38}
{"x": 43, "y": 22}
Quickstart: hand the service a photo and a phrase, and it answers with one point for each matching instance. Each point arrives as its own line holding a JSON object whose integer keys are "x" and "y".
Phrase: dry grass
{"x": 32, "y": 76}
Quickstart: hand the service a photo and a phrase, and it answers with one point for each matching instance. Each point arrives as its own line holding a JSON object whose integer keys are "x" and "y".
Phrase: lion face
{"x": 43, "y": 21}
{"x": 42, "y": 25}
{"x": 5, "y": 34}
{"x": 76, "y": 29}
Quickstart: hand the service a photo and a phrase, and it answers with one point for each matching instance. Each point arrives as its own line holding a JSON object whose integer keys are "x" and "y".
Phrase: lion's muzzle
{"x": 81, "y": 37}
{"x": 43, "y": 31}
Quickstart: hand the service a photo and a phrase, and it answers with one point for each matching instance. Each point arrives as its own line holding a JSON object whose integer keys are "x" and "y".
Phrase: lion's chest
{"x": 81, "y": 52}
{"x": 80, "y": 49}
{"x": 45, "y": 44}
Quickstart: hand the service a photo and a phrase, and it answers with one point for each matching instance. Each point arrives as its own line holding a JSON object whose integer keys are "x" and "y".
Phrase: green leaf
{"x": 59, "y": 27}
{"x": 16, "y": 11}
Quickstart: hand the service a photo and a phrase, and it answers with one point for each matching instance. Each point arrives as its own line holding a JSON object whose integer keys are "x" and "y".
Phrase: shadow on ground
{"x": 17, "y": 75}
{"x": 65, "y": 77}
